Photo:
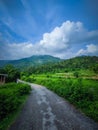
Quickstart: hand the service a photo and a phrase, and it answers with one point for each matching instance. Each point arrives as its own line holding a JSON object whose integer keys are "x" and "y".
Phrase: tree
{"x": 12, "y": 72}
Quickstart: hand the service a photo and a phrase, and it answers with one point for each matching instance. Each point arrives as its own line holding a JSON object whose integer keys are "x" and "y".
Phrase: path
{"x": 44, "y": 110}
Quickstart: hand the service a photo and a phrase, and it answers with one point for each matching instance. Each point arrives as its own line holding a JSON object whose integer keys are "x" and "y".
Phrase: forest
{"x": 73, "y": 64}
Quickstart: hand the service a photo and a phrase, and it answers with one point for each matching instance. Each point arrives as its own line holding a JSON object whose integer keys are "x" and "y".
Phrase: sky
{"x": 61, "y": 28}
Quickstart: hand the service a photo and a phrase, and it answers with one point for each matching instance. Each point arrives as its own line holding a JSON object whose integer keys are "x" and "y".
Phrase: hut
{"x": 3, "y": 78}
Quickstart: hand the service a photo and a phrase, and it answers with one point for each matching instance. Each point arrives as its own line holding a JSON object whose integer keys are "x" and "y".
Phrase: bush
{"x": 76, "y": 74}
{"x": 10, "y": 97}
{"x": 23, "y": 89}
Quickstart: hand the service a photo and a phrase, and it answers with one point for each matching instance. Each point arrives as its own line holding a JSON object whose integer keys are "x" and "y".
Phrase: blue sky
{"x": 62, "y": 28}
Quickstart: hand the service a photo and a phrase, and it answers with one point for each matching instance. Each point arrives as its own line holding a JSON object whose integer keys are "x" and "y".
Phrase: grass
{"x": 12, "y": 98}
{"x": 83, "y": 93}
{"x": 88, "y": 74}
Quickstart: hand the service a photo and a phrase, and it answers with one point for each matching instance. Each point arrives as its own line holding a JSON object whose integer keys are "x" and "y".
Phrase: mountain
{"x": 46, "y": 63}
{"x": 77, "y": 63}
{"x": 35, "y": 60}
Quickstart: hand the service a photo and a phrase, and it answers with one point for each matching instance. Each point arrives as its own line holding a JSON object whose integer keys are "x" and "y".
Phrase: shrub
{"x": 76, "y": 74}
{"x": 10, "y": 97}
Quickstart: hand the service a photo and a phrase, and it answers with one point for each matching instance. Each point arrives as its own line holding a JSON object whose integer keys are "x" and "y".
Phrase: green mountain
{"x": 31, "y": 61}
{"x": 46, "y": 63}
{"x": 77, "y": 63}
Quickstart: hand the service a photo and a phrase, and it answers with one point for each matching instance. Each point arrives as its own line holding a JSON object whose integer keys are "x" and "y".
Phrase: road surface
{"x": 45, "y": 110}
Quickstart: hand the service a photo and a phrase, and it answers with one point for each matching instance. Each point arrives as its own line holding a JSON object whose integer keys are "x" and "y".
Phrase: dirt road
{"x": 44, "y": 110}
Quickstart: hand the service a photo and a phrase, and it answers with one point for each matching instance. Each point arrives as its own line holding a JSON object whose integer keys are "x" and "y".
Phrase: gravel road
{"x": 45, "y": 110}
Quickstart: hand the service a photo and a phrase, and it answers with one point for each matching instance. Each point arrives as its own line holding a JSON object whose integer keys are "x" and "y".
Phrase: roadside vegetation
{"x": 74, "y": 79}
{"x": 78, "y": 87}
{"x": 12, "y": 97}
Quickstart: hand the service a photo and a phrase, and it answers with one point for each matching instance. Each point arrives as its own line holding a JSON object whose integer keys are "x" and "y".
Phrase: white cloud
{"x": 91, "y": 49}
{"x": 60, "y": 42}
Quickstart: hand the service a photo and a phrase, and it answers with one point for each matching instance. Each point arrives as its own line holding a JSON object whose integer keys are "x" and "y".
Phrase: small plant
{"x": 76, "y": 74}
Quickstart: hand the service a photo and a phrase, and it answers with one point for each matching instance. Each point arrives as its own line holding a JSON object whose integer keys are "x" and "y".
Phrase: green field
{"x": 12, "y": 97}
{"x": 81, "y": 91}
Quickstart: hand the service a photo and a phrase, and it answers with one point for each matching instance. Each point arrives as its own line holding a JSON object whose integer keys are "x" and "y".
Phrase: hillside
{"x": 77, "y": 63}
{"x": 31, "y": 61}
{"x": 46, "y": 63}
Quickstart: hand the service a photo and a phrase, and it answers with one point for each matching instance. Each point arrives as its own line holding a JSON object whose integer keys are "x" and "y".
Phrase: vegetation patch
{"x": 12, "y": 96}
{"x": 83, "y": 93}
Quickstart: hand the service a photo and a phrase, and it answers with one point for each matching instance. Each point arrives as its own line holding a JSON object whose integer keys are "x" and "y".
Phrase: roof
{"x": 6, "y": 75}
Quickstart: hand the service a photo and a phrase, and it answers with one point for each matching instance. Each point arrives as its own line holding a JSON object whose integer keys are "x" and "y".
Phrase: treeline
{"x": 74, "y": 64}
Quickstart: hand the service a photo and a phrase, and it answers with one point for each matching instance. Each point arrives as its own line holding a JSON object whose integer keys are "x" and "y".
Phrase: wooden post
{"x": 3, "y": 79}
{"x": 0, "y": 78}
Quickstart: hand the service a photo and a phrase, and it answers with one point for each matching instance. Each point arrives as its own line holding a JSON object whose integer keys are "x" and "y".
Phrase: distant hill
{"x": 81, "y": 62}
{"x": 77, "y": 63}
{"x": 35, "y": 60}
{"x": 46, "y": 63}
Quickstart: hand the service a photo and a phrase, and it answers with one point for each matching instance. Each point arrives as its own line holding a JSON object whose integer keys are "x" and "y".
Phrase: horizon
{"x": 49, "y": 55}
{"x": 60, "y": 28}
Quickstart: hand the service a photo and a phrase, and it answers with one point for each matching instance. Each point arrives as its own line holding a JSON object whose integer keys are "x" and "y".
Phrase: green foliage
{"x": 95, "y": 68}
{"x": 12, "y": 72}
{"x": 74, "y": 64}
{"x": 76, "y": 74}
{"x": 10, "y": 97}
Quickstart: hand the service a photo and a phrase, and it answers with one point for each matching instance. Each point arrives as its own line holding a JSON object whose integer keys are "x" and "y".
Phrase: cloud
{"x": 64, "y": 41}
{"x": 16, "y": 51}
{"x": 91, "y": 49}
